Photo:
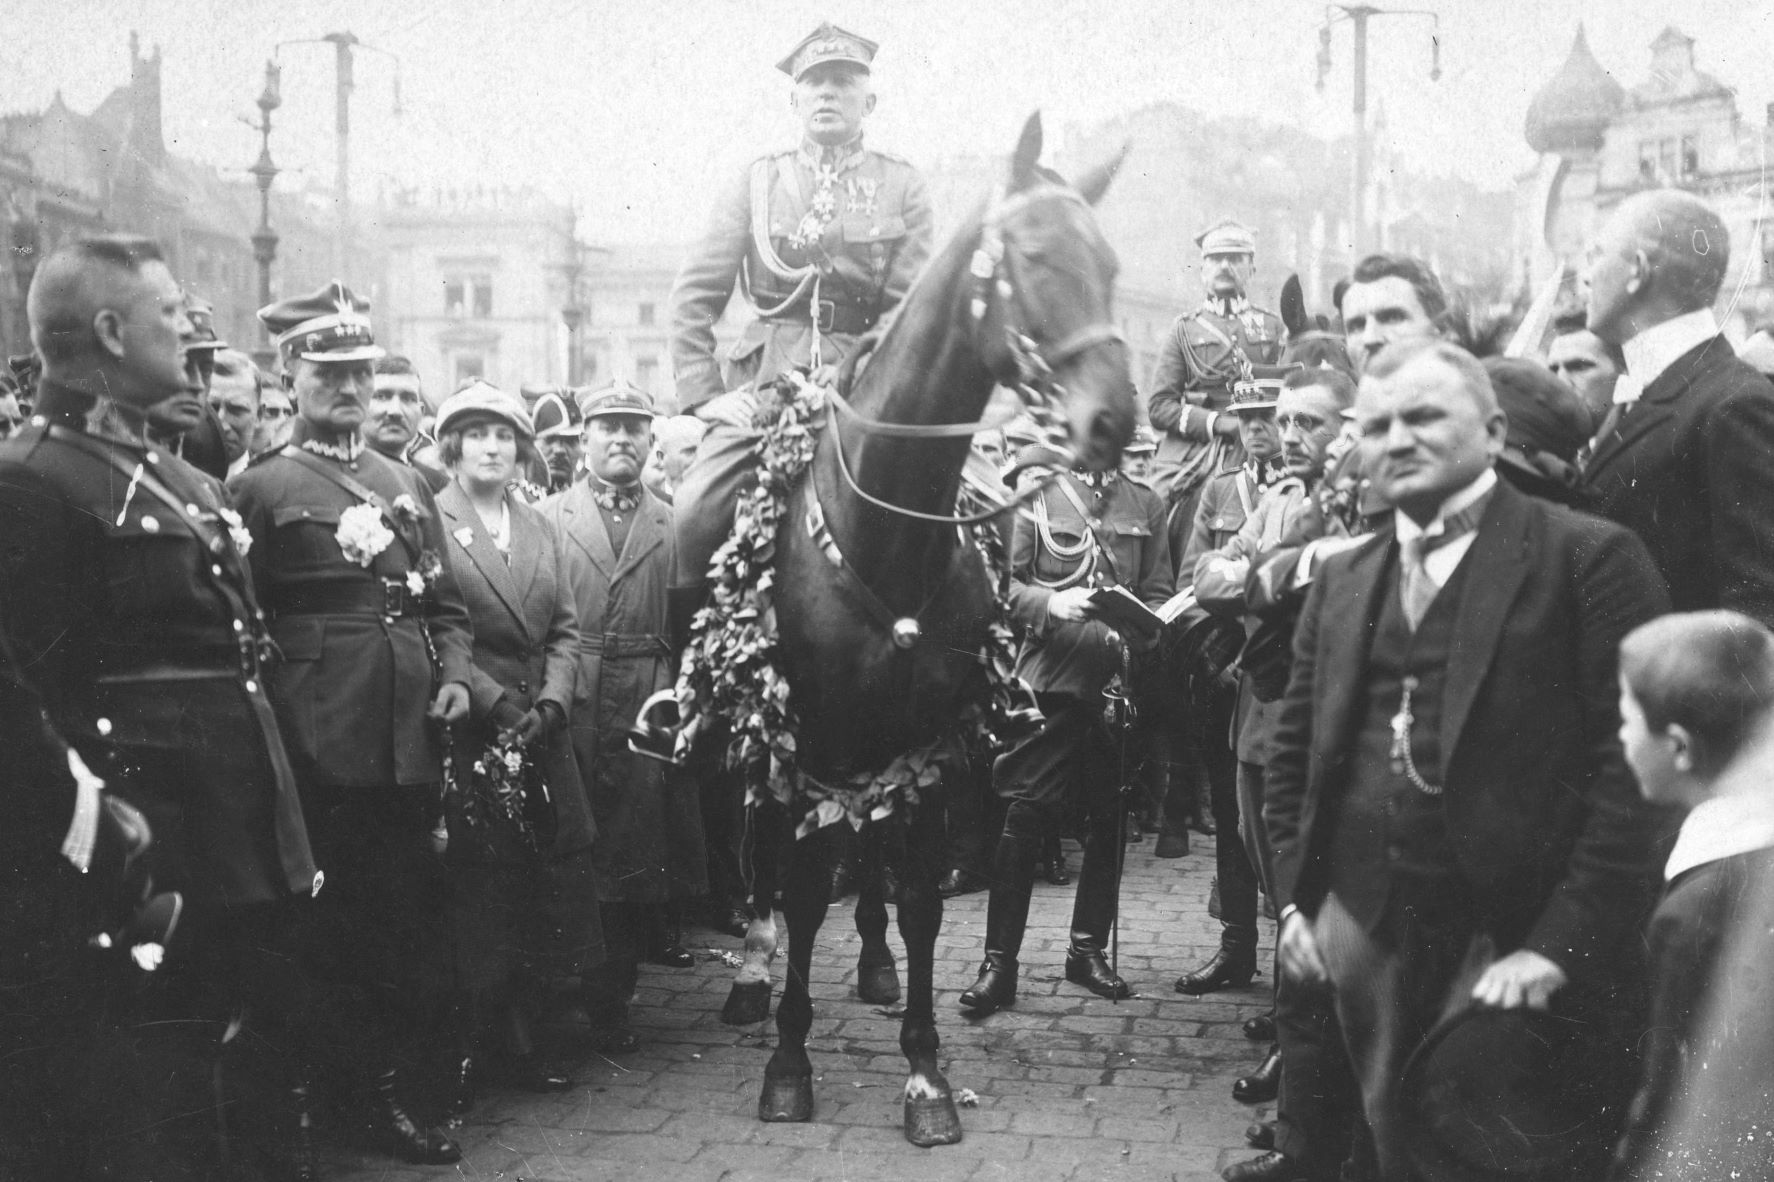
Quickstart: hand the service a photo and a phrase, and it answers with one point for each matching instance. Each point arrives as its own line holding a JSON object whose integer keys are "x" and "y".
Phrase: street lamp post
{"x": 264, "y": 172}
{"x": 1358, "y": 16}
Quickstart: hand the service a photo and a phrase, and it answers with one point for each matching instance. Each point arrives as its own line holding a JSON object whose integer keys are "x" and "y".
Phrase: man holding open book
{"x": 1089, "y": 561}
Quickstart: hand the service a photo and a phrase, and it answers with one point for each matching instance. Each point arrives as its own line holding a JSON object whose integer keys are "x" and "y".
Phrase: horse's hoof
{"x": 748, "y": 1003}
{"x": 878, "y": 984}
{"x": 932, "y": 1120}
{"x": 786, "y": 1098}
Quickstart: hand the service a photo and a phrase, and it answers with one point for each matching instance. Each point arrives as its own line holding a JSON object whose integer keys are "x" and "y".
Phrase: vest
{"x": 1389, "y": 833}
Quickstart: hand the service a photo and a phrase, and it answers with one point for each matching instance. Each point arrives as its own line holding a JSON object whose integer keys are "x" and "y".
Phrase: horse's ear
{"x": 1093, "y": 184}
{"x": 1293, "y": 306}
{"x": 1028, "y": 152}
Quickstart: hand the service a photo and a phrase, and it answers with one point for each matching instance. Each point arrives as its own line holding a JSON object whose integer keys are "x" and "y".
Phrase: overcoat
{"x": 355, "y": 681}
{"x": 526, "y": 641}
{"x": 649, "y": 823}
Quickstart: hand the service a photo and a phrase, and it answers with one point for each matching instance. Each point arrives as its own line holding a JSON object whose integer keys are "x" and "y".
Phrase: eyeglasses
{"x": 1303, "y": 423}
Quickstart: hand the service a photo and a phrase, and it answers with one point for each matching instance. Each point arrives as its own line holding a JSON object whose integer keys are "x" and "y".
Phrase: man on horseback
{"x": 1086, "y": 531}
{"x": 1204, "y": 353}
{"x": 824, "y": 240}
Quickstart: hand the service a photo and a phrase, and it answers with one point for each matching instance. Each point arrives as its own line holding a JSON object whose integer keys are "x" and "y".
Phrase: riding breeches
{"x": 726, "y": 465}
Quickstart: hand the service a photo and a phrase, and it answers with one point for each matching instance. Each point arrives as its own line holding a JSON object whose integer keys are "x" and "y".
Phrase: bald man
{"x": 1686, "y": 460}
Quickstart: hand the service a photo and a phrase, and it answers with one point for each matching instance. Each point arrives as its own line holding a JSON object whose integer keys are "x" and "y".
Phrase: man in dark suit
{"x": 1688, "y": 464}
{"x": 1469, "y": 646}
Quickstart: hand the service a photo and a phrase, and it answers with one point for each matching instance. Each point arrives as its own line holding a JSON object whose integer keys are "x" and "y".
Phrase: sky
{"x": 640, "y": 112}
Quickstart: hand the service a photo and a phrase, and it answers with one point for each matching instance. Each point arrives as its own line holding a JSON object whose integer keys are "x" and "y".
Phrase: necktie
{"x": 1417, "y": 588}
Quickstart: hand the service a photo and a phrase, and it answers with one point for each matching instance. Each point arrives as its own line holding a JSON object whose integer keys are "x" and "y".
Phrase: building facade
{"x": 64, "y": 174}
{"x": 475, "y": 282}
{"x": 1600, "y": 142}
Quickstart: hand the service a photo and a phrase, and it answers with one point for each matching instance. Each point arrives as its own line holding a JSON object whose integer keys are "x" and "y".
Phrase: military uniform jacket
{"x": 132, "y": 614}
{"x": 1124, "y": 521}
{"x": 1228, "y": 497}
{"x": 867, "y": 242}
{"x": 1192, "y": 380}
{"x": 356, "y": 679}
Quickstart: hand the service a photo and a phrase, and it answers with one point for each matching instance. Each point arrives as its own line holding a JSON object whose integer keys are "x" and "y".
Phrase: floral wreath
{"x": 730, "y": 669}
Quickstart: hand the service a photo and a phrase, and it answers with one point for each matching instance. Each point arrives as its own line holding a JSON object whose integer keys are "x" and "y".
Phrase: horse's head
{"x": 1046, "y": 278}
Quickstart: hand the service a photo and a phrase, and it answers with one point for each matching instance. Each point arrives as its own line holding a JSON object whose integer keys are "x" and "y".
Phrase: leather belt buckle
{"x": 825, "y": 314}
{"x": 393, "y": 597}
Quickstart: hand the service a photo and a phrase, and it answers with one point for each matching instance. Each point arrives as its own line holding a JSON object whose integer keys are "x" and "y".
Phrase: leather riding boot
{"x": 1093, "y": 913}
{"x": 1263, "y": 1084}
{"x": 1007, "y": 917}
{"x": 421, "y": 1146}
{"x": 1231, "y": 967}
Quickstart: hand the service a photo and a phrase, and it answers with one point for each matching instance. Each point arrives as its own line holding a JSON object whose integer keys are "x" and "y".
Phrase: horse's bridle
{"x": 994, "y": 276}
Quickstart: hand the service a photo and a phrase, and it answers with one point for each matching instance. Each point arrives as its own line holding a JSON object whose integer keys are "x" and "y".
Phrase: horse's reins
{"x": 994, "y": 274}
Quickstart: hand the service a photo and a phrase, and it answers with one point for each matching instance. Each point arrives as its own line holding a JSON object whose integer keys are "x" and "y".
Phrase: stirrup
{"x": 657, "y": 739}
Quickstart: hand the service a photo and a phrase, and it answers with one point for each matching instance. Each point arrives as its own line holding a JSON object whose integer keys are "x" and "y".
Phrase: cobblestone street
{"x": 1069, "y": 1086}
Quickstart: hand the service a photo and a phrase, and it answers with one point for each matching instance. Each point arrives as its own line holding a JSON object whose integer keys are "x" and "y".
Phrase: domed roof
{"x": 1571, "y": 111}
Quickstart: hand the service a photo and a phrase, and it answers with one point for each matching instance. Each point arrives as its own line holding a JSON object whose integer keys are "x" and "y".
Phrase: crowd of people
{"x": 319, "y": 688}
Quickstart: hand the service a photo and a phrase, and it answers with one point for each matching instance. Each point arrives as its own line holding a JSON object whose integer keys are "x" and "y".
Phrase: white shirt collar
{"x": 1408, "y": 529}
{"x": 1723, "y": 827}
{"x": 1657, "y": 348}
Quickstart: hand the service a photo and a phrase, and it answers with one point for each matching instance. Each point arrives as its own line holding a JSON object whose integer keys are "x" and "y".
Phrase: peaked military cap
{"x": 331, "y": 324}
{"x": 202, "y": 315}
{"x": 1227, "y": 237}
{"x": 1143, "y": 443}
{"x": 555, "y": 416}
{"x": 619, "y": 398}
{"x": 1262, "y": 390}
{"x": 828, "y": 43}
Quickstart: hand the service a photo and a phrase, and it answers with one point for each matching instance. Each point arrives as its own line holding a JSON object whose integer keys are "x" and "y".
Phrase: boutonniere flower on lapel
{"x": 422, "y": 580}
{"x": 465, "y": 535}
{"x": 363, "y": 534}
{"x": 406, "y": 508}
{"x": 243, "y": 537}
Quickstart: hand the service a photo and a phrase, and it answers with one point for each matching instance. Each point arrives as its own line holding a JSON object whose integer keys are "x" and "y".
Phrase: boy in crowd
{"x": 1695, "y": 689}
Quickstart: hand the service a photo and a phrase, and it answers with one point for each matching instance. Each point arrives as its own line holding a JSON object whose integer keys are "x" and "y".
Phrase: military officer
{"x": 1205, "y": 351}
{"x": 125, "y": 594}
{"x": 1086, "y": 531}
{"x": 377, "y": 648}
{"x": 823, "y": 239}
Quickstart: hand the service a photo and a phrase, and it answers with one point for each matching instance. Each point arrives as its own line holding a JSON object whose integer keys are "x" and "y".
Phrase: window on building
{"x": 646, "y": 372}
{"x": 469, "y": 367}
{"x": 1690, "y": 157}
{"x": 468, "y": 294}
{"x": 644, "y": 317}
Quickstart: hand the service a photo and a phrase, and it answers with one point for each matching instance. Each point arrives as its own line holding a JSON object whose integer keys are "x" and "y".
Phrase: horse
{"x": 881, "y": 615}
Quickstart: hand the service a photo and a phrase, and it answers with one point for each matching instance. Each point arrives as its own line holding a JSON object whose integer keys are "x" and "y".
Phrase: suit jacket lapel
{"x": 1346, "y": 632}
{"x": 652, "y": 524}
{"x": 526, "y": 550}
{"x": 452, "y": 502}
{"x": 1657, "y": 403}
{"x": 1496, "y": 564}
{"x": 585, "y": 526}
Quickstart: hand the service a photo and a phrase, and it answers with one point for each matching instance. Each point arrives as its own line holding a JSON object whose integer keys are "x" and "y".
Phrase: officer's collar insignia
{"x": 346, "y": 452}
{"x": 1228, "y": 308}
{"x": 615, "y": 500}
